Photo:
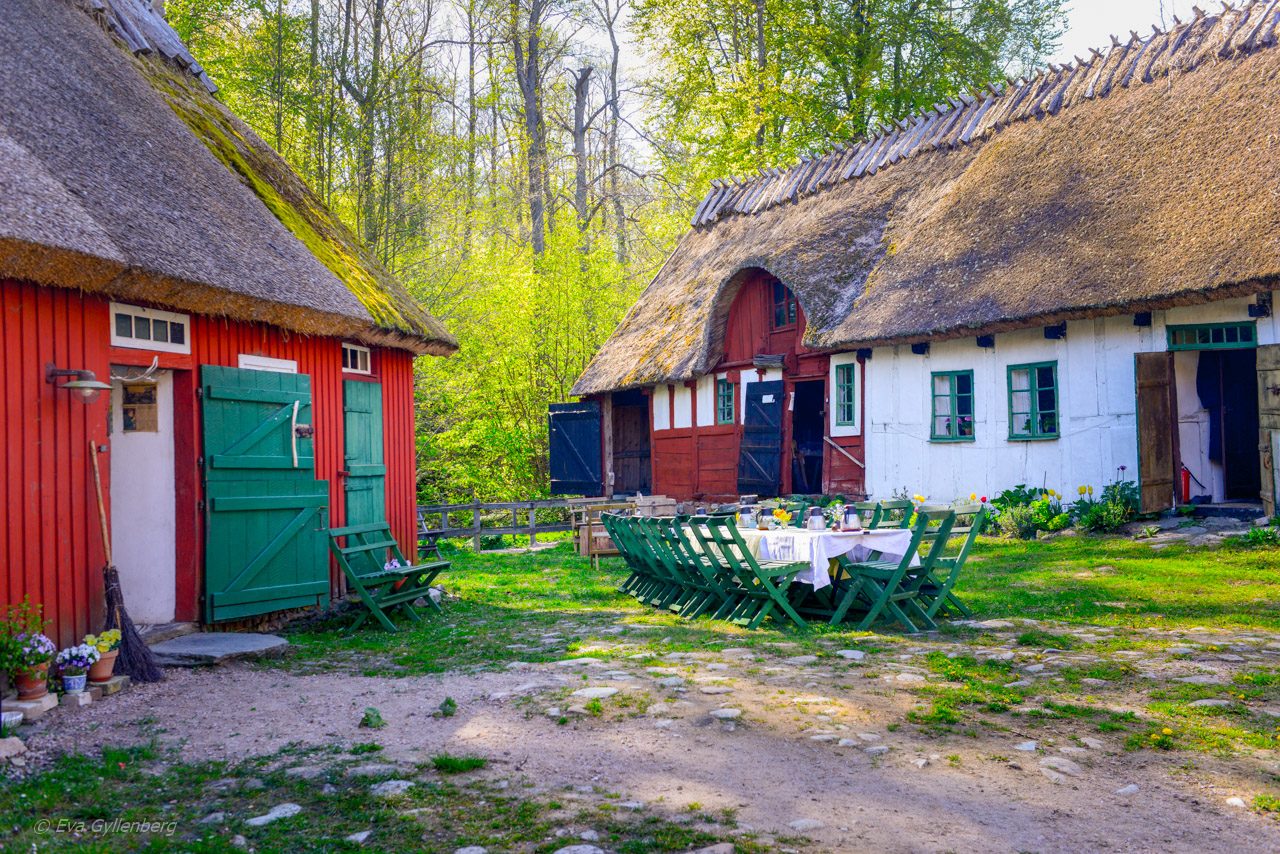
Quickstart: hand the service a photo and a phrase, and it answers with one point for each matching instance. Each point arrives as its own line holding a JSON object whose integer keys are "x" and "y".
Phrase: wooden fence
{"x": 479, "y": 520}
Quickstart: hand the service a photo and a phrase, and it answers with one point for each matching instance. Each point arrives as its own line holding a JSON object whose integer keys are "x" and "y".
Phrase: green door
{"x": 266, "y": 546}
{"x": 366, "y": 470}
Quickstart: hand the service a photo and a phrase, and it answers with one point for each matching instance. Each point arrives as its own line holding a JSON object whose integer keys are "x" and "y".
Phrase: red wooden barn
{"x": 259, "y": 361}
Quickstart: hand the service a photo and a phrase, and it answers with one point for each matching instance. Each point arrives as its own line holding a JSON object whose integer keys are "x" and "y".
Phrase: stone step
{"x": 205, "y": 648}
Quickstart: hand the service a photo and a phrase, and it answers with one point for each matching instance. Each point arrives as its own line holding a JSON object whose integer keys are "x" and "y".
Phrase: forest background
{"x": 525, "y": 166}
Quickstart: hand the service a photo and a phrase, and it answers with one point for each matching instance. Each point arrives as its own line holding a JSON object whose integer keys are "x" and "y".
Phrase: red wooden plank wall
{"x": 50, "y": 546}
{"x": 703, "y": 461}
{"x": 49, "y": 538}
{"x": 399, "y": 447}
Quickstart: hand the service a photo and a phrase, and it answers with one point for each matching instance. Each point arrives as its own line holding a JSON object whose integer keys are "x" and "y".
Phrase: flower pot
{"x": 34, "y": 683}
{"x": 74, "y": 684}
{"x": 103, "y": 668}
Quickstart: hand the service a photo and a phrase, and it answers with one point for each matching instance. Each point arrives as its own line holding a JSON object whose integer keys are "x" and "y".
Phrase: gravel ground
{"x": 795, "y": 746}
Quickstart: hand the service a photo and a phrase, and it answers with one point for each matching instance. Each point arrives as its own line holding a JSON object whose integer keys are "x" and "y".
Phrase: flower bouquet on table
{"x": 74, "y": 663}
{"x": 108, "y": 645}
{"x": 782, "y": 517}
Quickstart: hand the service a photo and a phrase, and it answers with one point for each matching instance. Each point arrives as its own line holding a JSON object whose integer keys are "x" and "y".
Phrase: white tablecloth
{"x": 819, "y": 547}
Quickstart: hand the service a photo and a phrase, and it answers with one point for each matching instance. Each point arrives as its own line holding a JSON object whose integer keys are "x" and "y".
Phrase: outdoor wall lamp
{"x": 85, "y": 387}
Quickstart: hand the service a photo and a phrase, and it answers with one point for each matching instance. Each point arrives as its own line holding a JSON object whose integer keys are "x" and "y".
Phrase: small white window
{"x": 149, "y": 329}
{"x": 355, "y": 359}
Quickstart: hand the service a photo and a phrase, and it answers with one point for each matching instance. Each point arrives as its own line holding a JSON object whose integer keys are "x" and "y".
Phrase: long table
{"x": 821, "y": 548}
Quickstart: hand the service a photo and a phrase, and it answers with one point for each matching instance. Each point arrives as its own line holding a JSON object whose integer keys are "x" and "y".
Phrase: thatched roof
{"x": 1144, "y": 177}
{"x": 121, "y": 174}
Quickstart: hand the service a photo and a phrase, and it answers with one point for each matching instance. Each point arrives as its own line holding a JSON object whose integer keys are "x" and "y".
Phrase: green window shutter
{"x": 952, "y": 393}
{"x": 846, "y": 395}
{"x": 724, "y": 402}
{"x": 1033, "y": 401}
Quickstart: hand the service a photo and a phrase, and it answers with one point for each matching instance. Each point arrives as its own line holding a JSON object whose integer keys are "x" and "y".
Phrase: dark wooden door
{"x": 1157, "y": 430}
{"x": 266, "y": 546}
{"x": 366, "y": 471}
{"x": 1237, "y": 372}
{"x": 574, "y": 448}
{"x": 1268, "y": 368}
{"x": 760, "y": 454}
{"x": 632, "y": 470}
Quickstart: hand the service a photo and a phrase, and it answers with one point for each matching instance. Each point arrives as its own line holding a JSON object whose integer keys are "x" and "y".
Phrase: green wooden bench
{"x": 367, "y": 557}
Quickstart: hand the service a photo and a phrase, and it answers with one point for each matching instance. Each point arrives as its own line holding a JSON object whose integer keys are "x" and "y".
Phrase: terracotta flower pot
{"x": 34, "y": 683}
{"x": 103, "y": 668}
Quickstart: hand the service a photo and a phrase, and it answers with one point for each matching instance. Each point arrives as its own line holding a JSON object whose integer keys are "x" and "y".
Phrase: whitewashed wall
{"x": 1098, "y": 426}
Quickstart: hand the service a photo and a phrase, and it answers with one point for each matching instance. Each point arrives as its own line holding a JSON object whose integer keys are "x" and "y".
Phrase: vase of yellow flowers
{"x": 108, "y": 645}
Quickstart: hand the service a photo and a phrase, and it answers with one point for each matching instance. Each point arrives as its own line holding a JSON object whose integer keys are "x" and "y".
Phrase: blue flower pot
{"x": 74, "y": 684}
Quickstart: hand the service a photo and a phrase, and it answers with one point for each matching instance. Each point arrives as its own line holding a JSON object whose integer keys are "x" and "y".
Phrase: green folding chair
{"x": 894, "y": 514}
{"x": 763, "y": 583}
{"x": 881, "y": 586}
{"x": 935, "y": 589}
{"x": 379, "y": 573}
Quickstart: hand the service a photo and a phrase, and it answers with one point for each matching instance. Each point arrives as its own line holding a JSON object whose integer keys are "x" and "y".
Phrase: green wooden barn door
{"x": 364, "y": 463}
{"x": 266, "y": 545}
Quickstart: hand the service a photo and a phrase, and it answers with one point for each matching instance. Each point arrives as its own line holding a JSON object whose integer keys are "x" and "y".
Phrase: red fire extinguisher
{"x": 1186, "y": 484}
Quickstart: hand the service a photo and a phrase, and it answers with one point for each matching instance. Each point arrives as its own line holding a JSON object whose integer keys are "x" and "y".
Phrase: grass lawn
{"x": 539, "y": 606}
{"x": 91, "y": 803}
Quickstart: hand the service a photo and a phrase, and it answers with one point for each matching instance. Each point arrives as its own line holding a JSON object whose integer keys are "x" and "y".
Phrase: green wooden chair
{"x": 366, "y": 554}
{"x": 935, "y": 589}
{"x": 882, "y": 587}
{"x": 716, "y": 566}
{"x": 669, "y": 585}
{"x": 697, "y": 574}
{"x": 763, "y": 583}
{"x": 868, "y": 512}
{"x": 894, "y": 514}
{"x": 613, "y": 524}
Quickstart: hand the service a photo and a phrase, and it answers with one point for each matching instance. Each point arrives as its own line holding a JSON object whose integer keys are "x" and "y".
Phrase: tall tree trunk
{"x": 615, "y": 123}
{"x": 469, "y": 213}
{"x": 761, "y": 64}
{"x": 581, "y": 84}
{"x": 527, "y": 45}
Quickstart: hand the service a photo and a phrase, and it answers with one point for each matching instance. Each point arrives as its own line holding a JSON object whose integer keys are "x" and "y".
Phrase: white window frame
{"x": 247, "y": 362}
{"x": 131, "y": 343}
{"x": 854, "y": 429}
{"x": 368, "y": 359}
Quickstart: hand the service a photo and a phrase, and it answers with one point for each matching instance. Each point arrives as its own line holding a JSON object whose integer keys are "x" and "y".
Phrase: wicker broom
{"x": 136, "y": 660}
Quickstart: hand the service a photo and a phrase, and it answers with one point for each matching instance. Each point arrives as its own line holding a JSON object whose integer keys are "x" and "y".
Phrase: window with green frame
{"x": 846, "y": 394}
{"x": 952, "y": 406}
{"x": 1033, "y": 401}
{"x": 1213, "y": 336}
{"x": 724, "y": 402}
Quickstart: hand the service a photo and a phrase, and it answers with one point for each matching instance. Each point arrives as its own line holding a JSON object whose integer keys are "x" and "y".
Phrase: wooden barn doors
{"x": 575, "y": 449}
{"x": 760, "y": 453}
{"x": 1157, "y": 430}
{"x": 265, "y": 531}
{"x": 365, "y": 472}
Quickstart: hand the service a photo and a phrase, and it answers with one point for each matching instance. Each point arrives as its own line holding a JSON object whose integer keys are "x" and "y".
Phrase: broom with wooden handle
{"x": 136, "y": 660}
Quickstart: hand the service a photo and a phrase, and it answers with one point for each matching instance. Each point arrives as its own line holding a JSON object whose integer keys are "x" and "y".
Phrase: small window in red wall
{"x": 784, "y": 306}
{"x": 356, "y": 359}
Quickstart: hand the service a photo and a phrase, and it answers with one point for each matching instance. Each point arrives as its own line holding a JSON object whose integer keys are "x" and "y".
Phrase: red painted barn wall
{"x": 702, "y": 462}
{"x": 50, "y": 541}
{"x": 49, "y": 537}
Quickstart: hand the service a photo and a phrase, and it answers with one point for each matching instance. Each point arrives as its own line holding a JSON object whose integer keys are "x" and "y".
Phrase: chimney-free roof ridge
{"x": 970, "y": 116}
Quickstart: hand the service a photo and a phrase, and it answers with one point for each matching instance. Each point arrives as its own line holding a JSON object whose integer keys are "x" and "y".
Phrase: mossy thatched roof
{"x": 121, "y": 174}
{"x": 1145, "y": 177}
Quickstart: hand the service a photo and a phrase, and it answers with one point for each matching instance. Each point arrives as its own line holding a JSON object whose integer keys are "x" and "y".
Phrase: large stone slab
{"x": 204, "y": 648}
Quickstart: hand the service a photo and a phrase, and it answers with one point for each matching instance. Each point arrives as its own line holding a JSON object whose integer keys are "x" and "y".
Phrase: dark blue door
{"x": 760, "y": 455}
{"x": 574, "y": 448}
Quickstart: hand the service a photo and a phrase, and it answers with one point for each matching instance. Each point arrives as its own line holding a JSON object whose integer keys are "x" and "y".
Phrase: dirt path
{"x": 806, "y": 757}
